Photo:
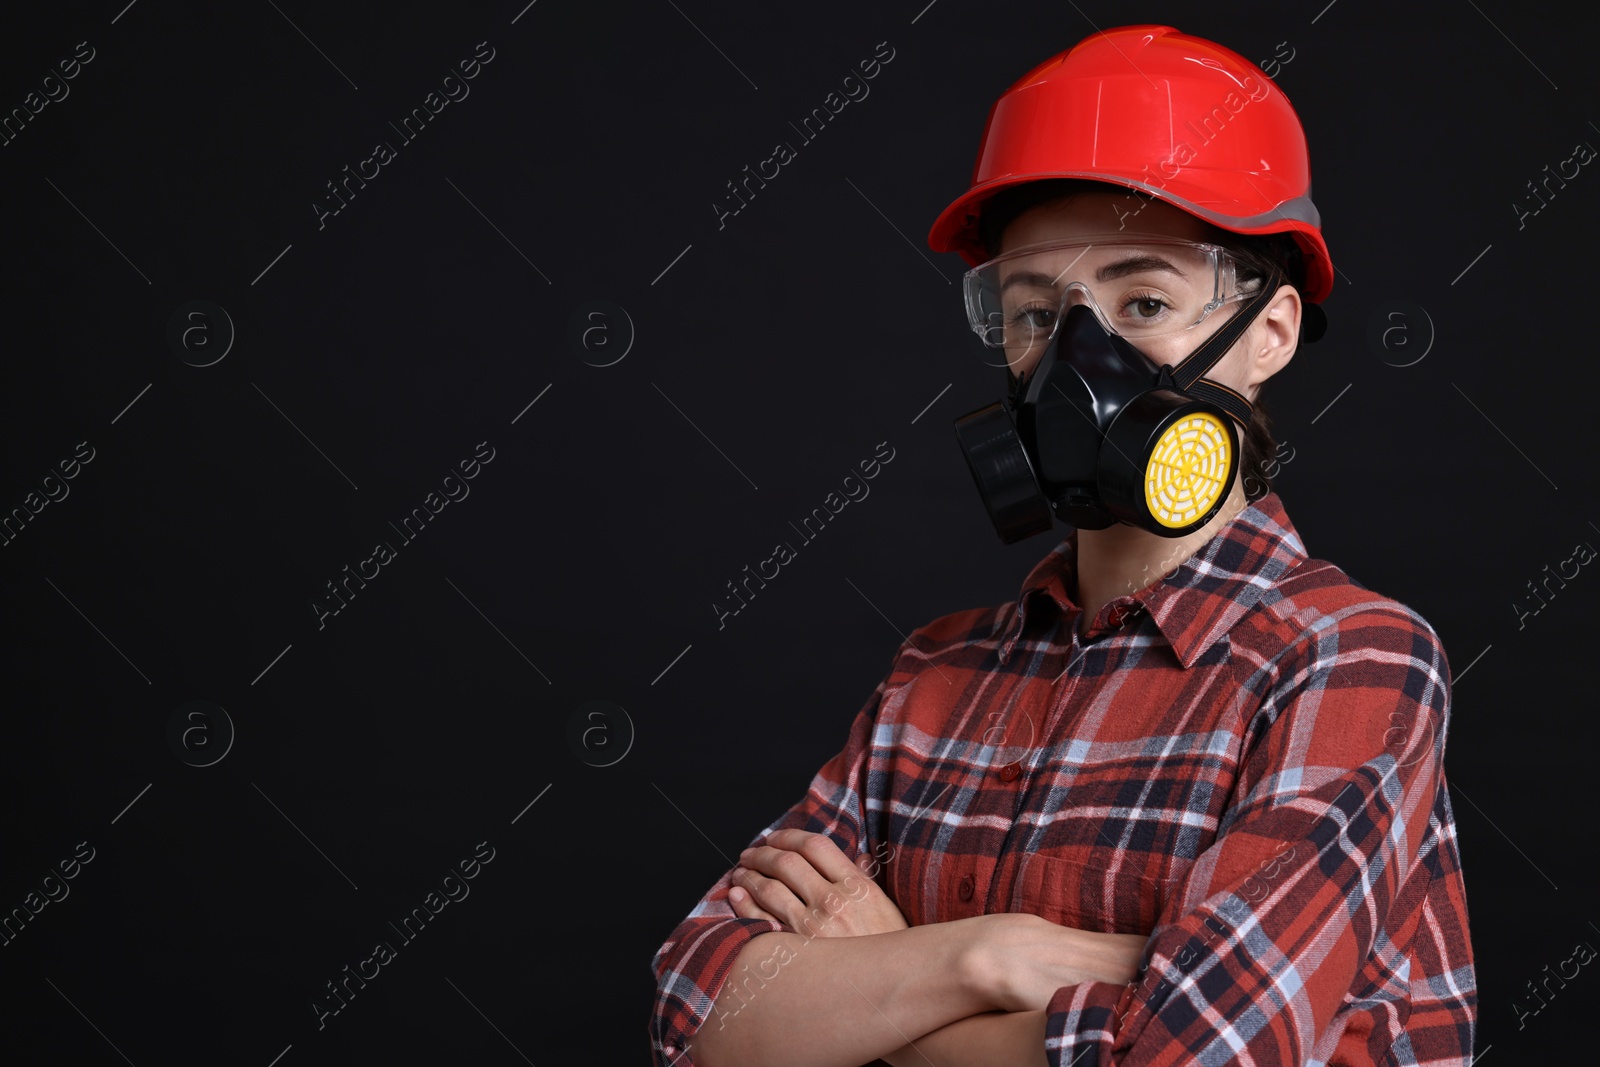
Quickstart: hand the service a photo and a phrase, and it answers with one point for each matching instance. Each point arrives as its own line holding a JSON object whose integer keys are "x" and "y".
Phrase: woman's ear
{"x": 1279, "y": 335}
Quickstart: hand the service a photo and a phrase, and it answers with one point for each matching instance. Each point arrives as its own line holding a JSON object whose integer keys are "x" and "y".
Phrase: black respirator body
{"x": 1099, "y": 433}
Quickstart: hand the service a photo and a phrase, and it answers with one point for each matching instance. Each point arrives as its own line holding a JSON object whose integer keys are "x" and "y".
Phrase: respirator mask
{"x": 1095, "y": 431}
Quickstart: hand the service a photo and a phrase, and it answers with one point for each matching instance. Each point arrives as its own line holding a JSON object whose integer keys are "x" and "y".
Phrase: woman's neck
{"x": 1121, "y": 560}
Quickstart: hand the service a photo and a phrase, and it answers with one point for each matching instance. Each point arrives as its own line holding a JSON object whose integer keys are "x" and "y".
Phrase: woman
{"x": 1183, "y": 800}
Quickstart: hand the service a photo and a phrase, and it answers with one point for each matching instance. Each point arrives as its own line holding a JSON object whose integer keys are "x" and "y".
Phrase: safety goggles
{"x": 1138, "y": 287}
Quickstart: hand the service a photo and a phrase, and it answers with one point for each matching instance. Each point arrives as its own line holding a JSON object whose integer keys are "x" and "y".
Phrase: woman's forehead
{"x": 1127, "y": 213}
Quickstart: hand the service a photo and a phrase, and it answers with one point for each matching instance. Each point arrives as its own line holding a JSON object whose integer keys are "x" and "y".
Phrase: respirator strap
{"x": 1224, "y": 398}
{"x": 1186, "y": 376}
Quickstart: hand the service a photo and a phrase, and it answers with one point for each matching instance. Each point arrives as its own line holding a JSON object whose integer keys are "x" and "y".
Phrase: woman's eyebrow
{"x": 1143, "y": 261}
{"x": 1134, "y": 264}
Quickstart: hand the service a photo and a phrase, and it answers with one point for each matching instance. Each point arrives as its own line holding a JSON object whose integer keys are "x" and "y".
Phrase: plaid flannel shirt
{"x": 1243, "y": 761}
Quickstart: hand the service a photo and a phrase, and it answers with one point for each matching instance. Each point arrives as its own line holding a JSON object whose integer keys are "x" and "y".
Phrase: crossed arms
{"x": 1325, "y": 916}
{"x": 850, "y": 981}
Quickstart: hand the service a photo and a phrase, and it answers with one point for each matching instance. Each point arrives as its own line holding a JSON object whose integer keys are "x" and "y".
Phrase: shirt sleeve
{"x": 692, "y": 965}
{"x": 1332, "y": 882}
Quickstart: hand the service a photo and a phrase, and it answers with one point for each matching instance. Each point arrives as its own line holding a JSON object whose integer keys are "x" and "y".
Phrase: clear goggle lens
{"x": 1139, "y": 288}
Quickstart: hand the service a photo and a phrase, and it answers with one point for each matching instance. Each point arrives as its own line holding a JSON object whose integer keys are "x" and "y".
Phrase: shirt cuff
{"x": 688, "y": 998}
{"x": 1087, "y": 1015}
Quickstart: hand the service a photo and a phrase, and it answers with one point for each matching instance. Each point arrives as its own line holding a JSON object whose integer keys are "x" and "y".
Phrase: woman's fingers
{"x": 799, "y": 877}
{"x": 745, "y": 907}
{"x": 819, "y": 850}
{"x": 770, "y": 896}
{"x": 793, "y": 869}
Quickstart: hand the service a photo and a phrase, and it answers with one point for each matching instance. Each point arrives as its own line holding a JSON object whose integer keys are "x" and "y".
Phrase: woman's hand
{"x": 802, "y": 880}
{"x": 1023, "y": 959}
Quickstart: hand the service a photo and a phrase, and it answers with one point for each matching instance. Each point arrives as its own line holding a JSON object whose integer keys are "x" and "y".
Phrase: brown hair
{"x": 1254, "y": 254}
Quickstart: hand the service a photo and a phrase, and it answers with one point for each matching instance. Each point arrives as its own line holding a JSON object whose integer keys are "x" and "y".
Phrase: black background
{"x": 768, "y": 357}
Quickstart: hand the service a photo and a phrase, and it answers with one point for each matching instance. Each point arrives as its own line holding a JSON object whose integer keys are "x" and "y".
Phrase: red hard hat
{"x": 1152, "y": 109}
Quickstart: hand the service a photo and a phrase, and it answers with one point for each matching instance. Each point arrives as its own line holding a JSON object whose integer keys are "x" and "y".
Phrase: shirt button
{"x": 965, "y": 891}
{"x": 1010, "y": 772}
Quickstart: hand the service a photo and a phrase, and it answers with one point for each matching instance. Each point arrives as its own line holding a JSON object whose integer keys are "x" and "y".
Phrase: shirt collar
{"x": 1202, "y": 597}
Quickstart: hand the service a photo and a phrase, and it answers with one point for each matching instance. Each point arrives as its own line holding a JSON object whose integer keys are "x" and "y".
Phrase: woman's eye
{"x": 1038, "y": 318}
{"x": 1147, "y": 307}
